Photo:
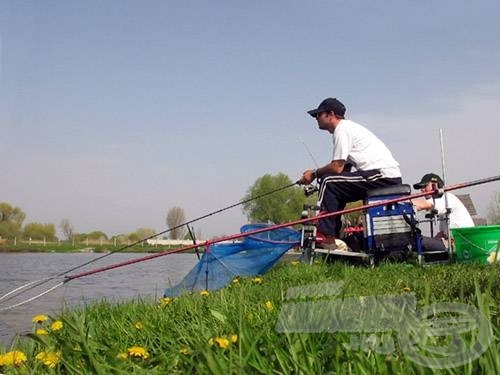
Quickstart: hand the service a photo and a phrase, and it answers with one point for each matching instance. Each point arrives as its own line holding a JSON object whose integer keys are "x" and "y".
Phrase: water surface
{"x": 146, "y": 279}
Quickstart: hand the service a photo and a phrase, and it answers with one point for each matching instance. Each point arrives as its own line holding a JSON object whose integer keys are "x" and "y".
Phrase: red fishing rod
{"x": 436, "y": 192}
{"x": 37, "y": 283}
{"x": 187, "y": 223}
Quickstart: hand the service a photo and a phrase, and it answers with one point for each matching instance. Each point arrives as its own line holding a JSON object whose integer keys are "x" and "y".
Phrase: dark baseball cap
{"x": 329, "y": 105}
{"x": 429, "y": 177}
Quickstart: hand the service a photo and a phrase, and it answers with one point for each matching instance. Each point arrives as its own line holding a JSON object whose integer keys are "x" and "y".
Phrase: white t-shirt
{"x": 459, "y": 216}
{"x": 357, "y": 145}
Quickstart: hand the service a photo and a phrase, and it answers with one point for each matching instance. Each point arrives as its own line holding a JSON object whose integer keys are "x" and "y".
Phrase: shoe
{"x": 329, "y": 243}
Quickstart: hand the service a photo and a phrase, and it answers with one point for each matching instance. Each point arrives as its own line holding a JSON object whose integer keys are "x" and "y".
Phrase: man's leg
{"x": 335, "y": 192}
{"x": 338, "y": 189}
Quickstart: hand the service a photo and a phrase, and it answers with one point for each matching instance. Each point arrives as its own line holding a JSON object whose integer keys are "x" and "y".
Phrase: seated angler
{"x": 355, "y": 145}
{"x": 448, "y": 203}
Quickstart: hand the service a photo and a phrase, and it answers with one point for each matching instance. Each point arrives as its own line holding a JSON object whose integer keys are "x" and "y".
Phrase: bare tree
{"x": 494, "y": 209}
{"x": 67, "y": 229}
{"x": 175, "y": 217}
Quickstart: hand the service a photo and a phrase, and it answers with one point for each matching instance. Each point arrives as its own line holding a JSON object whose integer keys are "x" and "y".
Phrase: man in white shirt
{"x": 353, "y": 146}
{"x": 458, "y": 216}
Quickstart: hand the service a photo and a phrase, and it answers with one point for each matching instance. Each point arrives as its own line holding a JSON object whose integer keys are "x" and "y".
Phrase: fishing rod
{"x": 310, "y": 189}
{"x": 179, "y": 226}
{"x": 34, "y": 284}
{"x": 309, "y": 152}
{"x": 436, "y": 191}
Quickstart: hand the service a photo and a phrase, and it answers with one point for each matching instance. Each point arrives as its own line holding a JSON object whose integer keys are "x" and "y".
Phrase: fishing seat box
{"x": 386, "y": 230}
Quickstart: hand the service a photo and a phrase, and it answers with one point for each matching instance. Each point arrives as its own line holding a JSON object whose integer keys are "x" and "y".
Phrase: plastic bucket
{"x": 477, "y": 244}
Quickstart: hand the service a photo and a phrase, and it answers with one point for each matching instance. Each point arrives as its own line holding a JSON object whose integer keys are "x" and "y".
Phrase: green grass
{"x": 178, "y": 336}
{"x": 69, "y": 248}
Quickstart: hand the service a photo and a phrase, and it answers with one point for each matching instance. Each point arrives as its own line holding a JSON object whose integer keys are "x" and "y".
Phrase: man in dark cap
{"x": 353, "y": 145}
{"x": 458, "y": 216}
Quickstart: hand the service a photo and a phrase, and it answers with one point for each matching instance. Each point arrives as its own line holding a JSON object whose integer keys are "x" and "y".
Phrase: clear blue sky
{"x": 113, "y": 111}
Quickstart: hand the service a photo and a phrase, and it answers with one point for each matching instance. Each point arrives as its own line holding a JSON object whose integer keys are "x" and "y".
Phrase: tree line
{"x": 12, "y": 226}
{"x": 282, "y": 206}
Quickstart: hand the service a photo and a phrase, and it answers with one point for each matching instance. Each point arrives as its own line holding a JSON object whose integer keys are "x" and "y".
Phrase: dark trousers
{"x": 336, "y": 190}
{"x": 432, "y": 244}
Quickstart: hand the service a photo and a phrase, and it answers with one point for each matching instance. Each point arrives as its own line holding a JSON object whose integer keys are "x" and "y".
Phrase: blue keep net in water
{"x": 254, "y": 255}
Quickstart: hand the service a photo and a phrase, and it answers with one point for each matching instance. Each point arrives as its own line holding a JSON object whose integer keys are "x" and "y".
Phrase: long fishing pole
{"x": 309, "y": 152}
{"x": 325, "y": 215}
{"x": 37, "y": 283}
{"x": 179, "y": 226}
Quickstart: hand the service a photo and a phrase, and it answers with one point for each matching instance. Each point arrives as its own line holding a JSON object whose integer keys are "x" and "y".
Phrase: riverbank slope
{"x": 238, "y": 329}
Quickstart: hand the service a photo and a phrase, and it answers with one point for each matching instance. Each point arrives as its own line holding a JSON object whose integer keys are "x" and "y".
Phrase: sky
{"x": 111, "y": 112}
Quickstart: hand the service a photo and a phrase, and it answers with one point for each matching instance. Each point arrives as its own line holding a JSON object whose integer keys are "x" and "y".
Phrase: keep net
{"x": 253, "y": 255}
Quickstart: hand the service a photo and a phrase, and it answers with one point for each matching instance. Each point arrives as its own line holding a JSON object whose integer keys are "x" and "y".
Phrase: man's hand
{"x": 307, "y": 177}
{"x": 422, "y": 204}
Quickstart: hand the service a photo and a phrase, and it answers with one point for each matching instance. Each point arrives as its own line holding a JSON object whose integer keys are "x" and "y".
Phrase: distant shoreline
{"x": 19, "y": 249}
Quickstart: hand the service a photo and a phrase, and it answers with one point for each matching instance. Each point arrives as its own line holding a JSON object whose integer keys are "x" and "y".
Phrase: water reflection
{"x": 146, "y": 279}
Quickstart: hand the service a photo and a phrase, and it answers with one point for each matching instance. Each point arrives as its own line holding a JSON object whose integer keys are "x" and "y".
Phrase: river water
{"x": 145, "y": 279}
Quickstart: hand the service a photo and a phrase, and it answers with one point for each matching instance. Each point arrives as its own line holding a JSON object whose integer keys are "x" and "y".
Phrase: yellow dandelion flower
{"x": 40, "y": 356}
{"x": 236, "y": 281}
{"x": 233, "y": 338}
{"x": 138, "y": 352}
{"x": 123, "y": 356}
{"x": 185, "y": 351}
{"x": 257, "y": 280}
{"x": 269, "y": 305}
{"x": 295, "y": 262}
{"x": 49, "y": 359}
{"x": 138, "y": 325}
{"x": 41, "y": 332}
{"x": 222, "y": 342}
{"x": 39, "y": 318}
{"x": 204, "y": 293}
{"x": 56, "y": 326}
{"x": 13, "y": 358}
{"x": 165, "y": 301}
{"x": 406, "y": 289}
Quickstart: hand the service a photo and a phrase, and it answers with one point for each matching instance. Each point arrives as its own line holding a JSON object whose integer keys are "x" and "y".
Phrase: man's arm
{"x": 336, "y": 166}
{"x": 422, "y": 204}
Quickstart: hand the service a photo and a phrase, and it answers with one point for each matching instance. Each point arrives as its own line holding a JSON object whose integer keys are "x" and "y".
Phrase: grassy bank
{"x": 69, "y": 248}
{"x": 234, "y": 330}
